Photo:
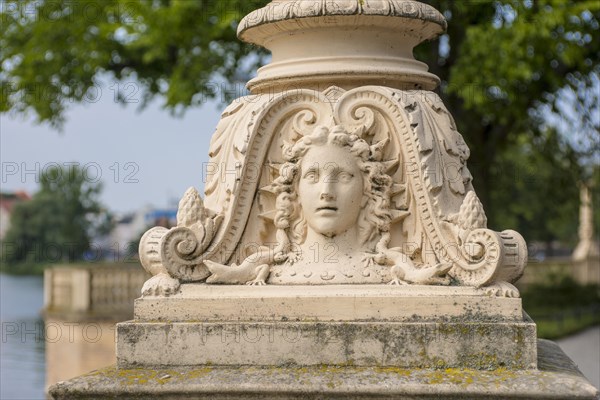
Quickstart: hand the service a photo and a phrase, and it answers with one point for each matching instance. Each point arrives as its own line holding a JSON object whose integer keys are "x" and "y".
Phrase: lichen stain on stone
{"x": 467, "y": 377}
{"x": 482, "y": 361}
{"x": 130, "y": 334}
{"x": 143, "y": 376}
{"x": 394, "y": 370}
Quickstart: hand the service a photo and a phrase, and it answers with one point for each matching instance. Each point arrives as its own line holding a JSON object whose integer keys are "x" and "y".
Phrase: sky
{"x": 142, "y": 158}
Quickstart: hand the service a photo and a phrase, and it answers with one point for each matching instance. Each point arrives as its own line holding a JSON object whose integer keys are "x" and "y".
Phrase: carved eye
{"x": 345, "y": 177}
{"x": 311, "y": 175}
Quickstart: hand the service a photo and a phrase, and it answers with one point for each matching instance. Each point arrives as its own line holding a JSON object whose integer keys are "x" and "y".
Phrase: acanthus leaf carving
{"x": 417, "y": 161}
{"x": 480, "y": 256}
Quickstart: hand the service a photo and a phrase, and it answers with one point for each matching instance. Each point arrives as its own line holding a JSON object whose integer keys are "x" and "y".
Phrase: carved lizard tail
{"x": 442, "y": 268}
{"x": 247, "y": 271}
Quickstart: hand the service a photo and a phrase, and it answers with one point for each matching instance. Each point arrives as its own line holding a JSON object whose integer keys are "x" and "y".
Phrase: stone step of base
{"x": 200, "y": 302}
{"x": 478, "y": 345}
{"x": 557, "y": 378}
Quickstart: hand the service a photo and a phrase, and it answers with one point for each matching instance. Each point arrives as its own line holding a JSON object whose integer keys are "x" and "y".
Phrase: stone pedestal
{"x": 330, "y": 342}
{"x": 342, "y": 325}
{"x": 556, "y": 378}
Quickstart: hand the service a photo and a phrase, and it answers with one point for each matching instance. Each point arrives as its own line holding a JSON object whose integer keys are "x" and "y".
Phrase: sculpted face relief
{"x": 324, "y": 234}
{"x": 330, "y": 190}
{"x": 356, "y": 186}
{"x": 333, "y": 218}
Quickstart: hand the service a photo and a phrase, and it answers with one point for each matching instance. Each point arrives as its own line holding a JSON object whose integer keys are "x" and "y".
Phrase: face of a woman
{"x": 330, "y": 189}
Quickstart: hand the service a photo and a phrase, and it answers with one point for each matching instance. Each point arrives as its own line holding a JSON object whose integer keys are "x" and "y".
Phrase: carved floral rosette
{"x": 436, "y": 215}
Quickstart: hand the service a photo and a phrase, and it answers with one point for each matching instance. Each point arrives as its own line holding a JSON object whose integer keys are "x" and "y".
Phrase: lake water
{"x": 22, "y": 348}
{"x": 37, "y": 353}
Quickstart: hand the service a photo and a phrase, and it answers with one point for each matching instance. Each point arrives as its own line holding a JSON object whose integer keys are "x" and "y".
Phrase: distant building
{"x": 165, "y": 217}
{"x": 7, "y": 203}
{"x": 120, "y": 244}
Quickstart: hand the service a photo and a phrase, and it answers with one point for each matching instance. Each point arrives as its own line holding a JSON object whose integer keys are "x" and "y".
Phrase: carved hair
{"x": 374, "y": 221}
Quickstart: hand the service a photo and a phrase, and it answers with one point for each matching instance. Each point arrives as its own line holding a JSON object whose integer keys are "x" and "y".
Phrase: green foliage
{"x": 525, "y": 50}
{"x": 57, "y": 224}
{"x": 503, "y": 65}
{"x": 507, "y": 67}
{"x": 53, "y": 51}
{"x": 568, "y": 324}
{"x": 540, "y": 192}
{"x": 559, "y": 292}
{"x": 561, "y": 306}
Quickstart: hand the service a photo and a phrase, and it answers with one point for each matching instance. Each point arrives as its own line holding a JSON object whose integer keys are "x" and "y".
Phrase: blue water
{"x": 22, "y": 347}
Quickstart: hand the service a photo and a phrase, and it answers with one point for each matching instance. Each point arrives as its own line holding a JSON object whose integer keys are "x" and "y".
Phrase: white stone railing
{"x": 97, "y": 292}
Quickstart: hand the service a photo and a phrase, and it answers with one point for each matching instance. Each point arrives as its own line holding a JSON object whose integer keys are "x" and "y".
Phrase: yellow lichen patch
{"x": 503, "y": 374}
{"x": 141, "y": 376}
{"x": 466, "y": 377}
{"x": 395, "y": 370}
{"x": 463, "y": 377}
{"x": 136, "y": 376}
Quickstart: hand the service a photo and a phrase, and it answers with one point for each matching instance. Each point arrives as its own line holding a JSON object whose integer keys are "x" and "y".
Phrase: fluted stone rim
{"x": 282, "y": 10}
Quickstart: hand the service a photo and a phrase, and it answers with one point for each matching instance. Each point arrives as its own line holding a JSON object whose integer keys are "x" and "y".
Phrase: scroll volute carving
{"x": 445, "y": 222}
{"x": 436, "y": 231}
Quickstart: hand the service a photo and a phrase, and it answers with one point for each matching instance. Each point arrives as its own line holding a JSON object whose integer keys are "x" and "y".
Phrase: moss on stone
{"x": 142, "y": 376}
{"x": 466, "y": 377}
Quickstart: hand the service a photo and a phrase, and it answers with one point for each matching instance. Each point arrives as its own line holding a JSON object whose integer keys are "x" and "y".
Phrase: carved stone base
{"x": 477, "y": 345}
{"x": 556, "y": 378}
{"x": 201, "y": 302}
{"x": 360, "y": 325}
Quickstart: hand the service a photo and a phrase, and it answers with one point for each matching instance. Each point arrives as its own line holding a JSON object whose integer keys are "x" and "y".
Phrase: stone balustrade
{"x": 84, "y": 292}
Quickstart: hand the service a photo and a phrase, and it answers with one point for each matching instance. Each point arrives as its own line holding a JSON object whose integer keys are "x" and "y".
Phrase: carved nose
{"x": 327, "y": 196}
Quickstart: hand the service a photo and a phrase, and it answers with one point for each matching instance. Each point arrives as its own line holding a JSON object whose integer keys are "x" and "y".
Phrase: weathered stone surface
{"x": 365, "y": 47}
{"x": 557, "y": 378}
{"x": 196, "y": 302}
{"x": 362, "y": 325}
{"x": 478, "y": 345}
